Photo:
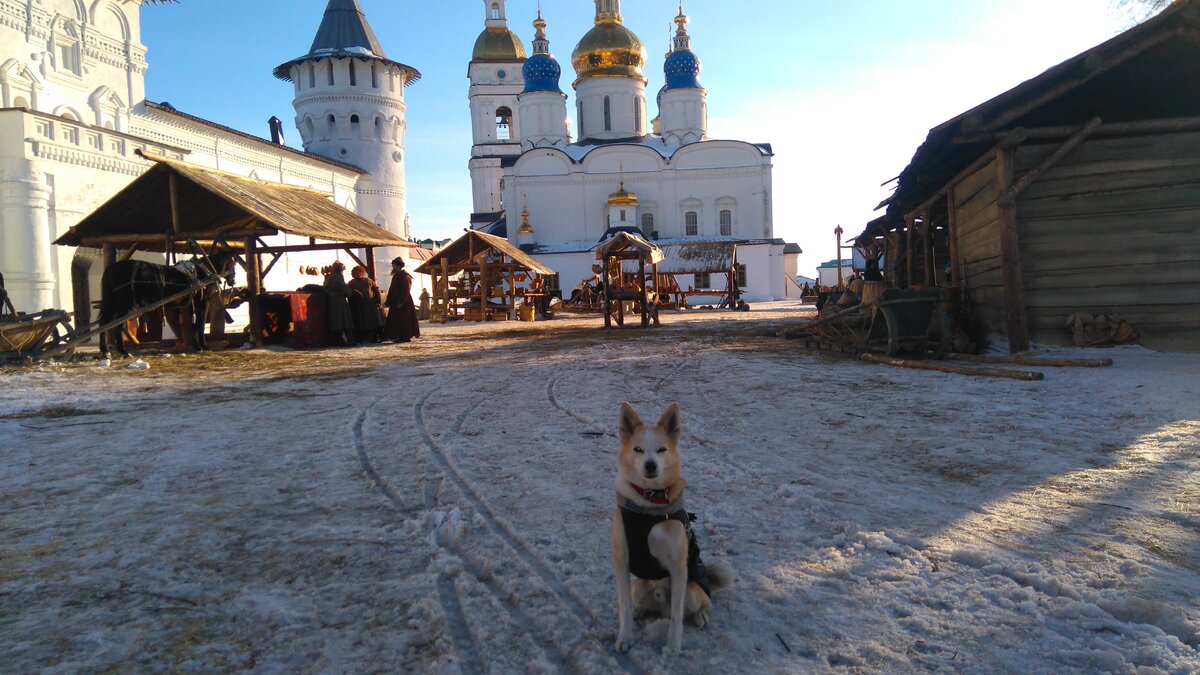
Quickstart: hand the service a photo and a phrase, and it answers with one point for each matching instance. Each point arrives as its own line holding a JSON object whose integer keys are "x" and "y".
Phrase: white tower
{"x": 350, "y": 108}
{"x": 496, "y": 80}
{"x": 610, "y": 90}
{"x": 682, "y": 104}
{"x": 542, "y": 106}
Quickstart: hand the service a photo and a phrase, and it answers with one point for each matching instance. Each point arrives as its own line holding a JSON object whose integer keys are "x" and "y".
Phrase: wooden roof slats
{"x": 207, "y": 204}
{"x": 467, "y": 249}
{"x": 627, "y": 241}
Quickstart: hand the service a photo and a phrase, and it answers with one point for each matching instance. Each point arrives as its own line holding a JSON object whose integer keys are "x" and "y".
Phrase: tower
{"x": 682, "y": 103}
{"x": 496, "y": 80}
{"x": 610, "y": 90}
{"x": 349, "y": 101}
{"x": 542, "y": 106}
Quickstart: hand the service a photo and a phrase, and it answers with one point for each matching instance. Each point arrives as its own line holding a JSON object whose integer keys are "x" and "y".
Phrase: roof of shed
{"x": 1151, "y": 71}
{"x": 211, "y": 203}
{"x": 622, "y": 241}
{"x": 473, "y": 243}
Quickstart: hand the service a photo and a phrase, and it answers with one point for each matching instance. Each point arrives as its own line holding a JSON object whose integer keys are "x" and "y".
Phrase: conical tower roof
{"x": 345, "y": 29}
{"x": 345, "y": 32}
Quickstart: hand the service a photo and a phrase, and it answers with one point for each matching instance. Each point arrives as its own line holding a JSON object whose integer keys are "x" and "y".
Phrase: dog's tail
{"x": 720, "y": 576}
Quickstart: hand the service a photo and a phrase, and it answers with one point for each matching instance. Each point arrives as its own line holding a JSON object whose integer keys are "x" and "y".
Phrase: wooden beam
{"x": 129, "y": 251}
{"x": 1010, "y": 261}
{"x": 978, "y": 164}
{"x": 1009, "y": 196}
{"x": 1163, "y": 126}
{"x": 952, "y": 239}
{"x": 947, "y": 368}
{"x": 254, "y": 288}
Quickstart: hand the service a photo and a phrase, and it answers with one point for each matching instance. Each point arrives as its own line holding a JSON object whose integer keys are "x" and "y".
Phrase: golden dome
{"x": 622, "y": 197}
{"x": 498, "y": 44}
{"x": 609, "y": 49}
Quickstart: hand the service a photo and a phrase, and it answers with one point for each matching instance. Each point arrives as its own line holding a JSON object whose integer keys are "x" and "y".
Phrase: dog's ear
{"x": 627, "y": 421}
{"x": 670, "y": 422}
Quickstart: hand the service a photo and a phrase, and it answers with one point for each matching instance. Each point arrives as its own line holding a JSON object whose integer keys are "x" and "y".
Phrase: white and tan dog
{"x": 652, "y": 535}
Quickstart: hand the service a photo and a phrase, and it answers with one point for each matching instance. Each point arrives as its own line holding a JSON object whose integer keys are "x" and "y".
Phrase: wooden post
{"x": 952, "y": 237}
{"x": 371, "y": 267}
{"x": 1010, "y": 260}
{"x": 512, "y": 292}
{"x": 484, "y": 288}
{"x": 930, "y": 271}
{"x": 607, "y": 294}
{"x": 254, "y": 287}
{"x": 447, "y": 306}
{"x": 909, "y": 262}
{"x": 642, "y": 283}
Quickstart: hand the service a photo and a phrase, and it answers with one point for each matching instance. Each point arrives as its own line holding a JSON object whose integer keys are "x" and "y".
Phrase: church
{"x": 557, "y": 196}
{"x": 74, "y": 116}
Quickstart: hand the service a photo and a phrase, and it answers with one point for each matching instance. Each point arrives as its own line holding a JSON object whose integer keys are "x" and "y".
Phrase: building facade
{"x": 73, "y": 112}
{"x": 677, "y": 185}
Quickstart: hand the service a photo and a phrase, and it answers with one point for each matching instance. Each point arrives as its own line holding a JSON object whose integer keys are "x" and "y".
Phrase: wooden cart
{"x": 27, "y": 337}
{"x": 909, "y": 320}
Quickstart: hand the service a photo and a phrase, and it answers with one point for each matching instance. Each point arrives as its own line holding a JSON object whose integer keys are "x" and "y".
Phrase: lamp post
{"x": 838, "y": 232}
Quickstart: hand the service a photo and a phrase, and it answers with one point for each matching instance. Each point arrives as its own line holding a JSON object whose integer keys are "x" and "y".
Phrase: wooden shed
{"x": 1078, "y": 190}
{"x": 177, "y": 207}
{"x": 478, "y": 274}
{"x": 628, "y": 249}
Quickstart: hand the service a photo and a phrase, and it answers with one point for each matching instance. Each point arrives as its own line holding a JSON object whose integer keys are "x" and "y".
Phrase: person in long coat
{"x": 338, "y": 319}
{"x": 402, "y": 313}
{"x": 366, "y": 305}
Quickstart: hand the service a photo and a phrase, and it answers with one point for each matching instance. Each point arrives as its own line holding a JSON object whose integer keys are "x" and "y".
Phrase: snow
{"x": 443, "y": 507}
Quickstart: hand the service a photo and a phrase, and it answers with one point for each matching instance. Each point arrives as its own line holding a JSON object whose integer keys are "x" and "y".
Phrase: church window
{"x": 503, "y": 123}
{"x": 637, "y": 115}
{"x": 703, "y": 281}
{"x": 648, "y": 224}
{"x": 622, "y": 215}
{"x": 353, "y": 74}
{"x": 691, "y": 221}
{"x": 378, "y": 129}
{"x": 726, "y": 223}
{"x": 332, "y": 125}
{"x": 607, "y": 114}
{"x": 330, "y": 72}
{"x": 355, "y": 127}
{"x": 579, "y": 109}
{"x": 374, "y": 75}
{"x": 312, "y": 75}
{"x": 741, "y": 275}
{"x": 309, "y": 128}
{"x": 495, "y": 10}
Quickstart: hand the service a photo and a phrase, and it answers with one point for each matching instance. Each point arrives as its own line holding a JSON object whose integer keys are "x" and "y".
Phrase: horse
{"x": 130, "y": 284}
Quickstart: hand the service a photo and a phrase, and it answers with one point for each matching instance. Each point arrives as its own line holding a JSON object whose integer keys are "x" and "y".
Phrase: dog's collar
{"x": 657, "y": 497}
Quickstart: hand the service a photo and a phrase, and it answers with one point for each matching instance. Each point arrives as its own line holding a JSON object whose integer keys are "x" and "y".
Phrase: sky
{"x": 844, "y": 92}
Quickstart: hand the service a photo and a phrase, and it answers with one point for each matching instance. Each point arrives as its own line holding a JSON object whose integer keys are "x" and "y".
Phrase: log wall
{"x": 1114, "y": 226}
{"x": 977, "y": 231}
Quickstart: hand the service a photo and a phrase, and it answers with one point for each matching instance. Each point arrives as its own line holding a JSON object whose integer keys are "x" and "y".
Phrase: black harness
{"x": 639, "y": 521}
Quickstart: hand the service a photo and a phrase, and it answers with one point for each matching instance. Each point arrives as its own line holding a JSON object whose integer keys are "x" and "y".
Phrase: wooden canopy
{"x": 469, "y": 246}
{"x": 188, "y": 202}
{"x": 624, "y": 241}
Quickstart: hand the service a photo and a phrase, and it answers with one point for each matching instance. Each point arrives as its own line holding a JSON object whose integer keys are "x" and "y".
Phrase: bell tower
{"x": 496, "y": 81}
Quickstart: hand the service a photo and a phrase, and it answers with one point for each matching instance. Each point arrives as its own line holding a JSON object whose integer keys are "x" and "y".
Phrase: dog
{"x": 652, "y": 535}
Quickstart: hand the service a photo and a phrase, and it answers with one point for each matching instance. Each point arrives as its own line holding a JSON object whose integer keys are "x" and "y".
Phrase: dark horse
{"x": 130, "y": 284}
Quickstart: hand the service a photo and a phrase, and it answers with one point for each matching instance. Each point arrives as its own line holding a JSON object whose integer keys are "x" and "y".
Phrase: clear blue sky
{"x": 844, "y": 91}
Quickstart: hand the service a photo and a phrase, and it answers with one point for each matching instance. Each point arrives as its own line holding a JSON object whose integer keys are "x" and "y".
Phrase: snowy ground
{"x": 444, "y": 507}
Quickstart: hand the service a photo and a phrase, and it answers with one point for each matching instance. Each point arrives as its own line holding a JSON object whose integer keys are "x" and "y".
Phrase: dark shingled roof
{"x": 345, "y": 33}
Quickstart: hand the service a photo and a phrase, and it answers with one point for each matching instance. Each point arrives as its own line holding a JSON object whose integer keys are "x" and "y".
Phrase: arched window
{"x": 495, "y": 10}
{"x": 312, "y": 75}
{"x": 691, "y": 222}
{"x": 378, "y": 129}
{"x": 353, "y": 74}
{"x": 374, "y": 75}
{"x": 330, "y": 62}
{"x": 332, "y": 121}
{"x": 579, "y": 110}
{"x": 503, "y": 123}
{"x": 310, "y": 129}
{"x": 607, "y": 114}
{"x": 648, "y": 224}
{"x": 355, "y": 127}
{"x": 726, "y": 223}
{"x": 637, "y": 115}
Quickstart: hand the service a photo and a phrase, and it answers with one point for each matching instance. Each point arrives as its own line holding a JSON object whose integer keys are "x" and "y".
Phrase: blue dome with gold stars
{"x": 682, "y": 69}
{"x": 541, "y": 71}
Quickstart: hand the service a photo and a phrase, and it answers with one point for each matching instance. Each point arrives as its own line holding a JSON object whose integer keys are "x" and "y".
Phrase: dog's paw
{"x": 624, "y": 642}
{"x": 701, "y": 618}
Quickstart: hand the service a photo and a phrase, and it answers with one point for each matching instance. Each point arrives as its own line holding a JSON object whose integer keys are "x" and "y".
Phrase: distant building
{"x": 556, "y": 197}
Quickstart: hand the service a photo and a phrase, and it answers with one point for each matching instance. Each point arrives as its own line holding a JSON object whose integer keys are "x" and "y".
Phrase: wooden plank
{"x": 1132, "y": 264}
{"x": 1154, "y": 150}
{"x": 1024, "y": 375}
{"x": 1067, "y": 187}
{"x": 1010, "y": 257}
{"x": 1160, "y": 126}
{"x": 1112, "y": 296}
{"x": 254, "y": 289}
{"x": 1106, "y": 203}
{"x": 1023, "y": 360}
{"x": 972, "y": 183}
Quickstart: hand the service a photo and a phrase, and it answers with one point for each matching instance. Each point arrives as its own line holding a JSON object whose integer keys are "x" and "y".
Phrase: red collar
{"x": 651, "y": 495}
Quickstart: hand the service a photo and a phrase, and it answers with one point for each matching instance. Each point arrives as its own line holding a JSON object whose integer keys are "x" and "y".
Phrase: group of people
{"x": 356, "y": 308}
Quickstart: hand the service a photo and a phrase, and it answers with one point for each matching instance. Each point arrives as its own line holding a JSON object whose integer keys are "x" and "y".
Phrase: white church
{"x": 663, "y": 177}
{"x": 74, "y": 113}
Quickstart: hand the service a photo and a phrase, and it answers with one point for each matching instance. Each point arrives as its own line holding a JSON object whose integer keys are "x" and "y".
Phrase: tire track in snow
{"x": 379, "y": 483}
{"x": 552, "y": 395}
{"x": 506, "y": 534}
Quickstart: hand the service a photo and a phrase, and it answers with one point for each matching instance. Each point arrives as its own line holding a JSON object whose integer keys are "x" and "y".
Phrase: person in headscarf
{"x": 365, "y": 305}
{"x": 402, "y": 313}
{"x": 339, "y": 321}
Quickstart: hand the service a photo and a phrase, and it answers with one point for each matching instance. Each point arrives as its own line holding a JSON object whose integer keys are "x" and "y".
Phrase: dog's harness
{"x": 639, "y": 520}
